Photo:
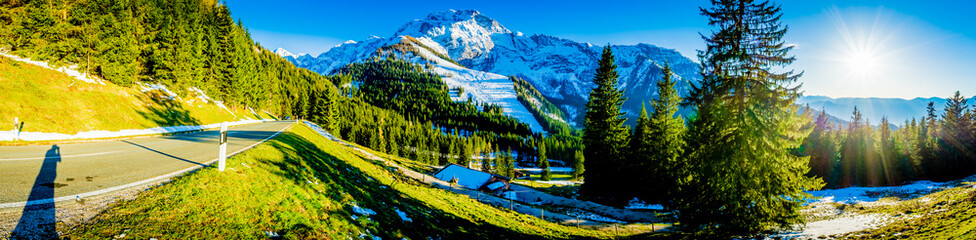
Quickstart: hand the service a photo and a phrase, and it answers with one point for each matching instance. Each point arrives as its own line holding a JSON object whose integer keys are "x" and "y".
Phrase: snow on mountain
{"x": 283, "y": 53}
{"x": 479, "y": 86}
{"x": 561, "y": 69}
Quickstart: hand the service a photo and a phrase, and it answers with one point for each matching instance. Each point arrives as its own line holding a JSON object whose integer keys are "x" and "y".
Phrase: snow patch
{"x": 592, "y": 216}
{"x": 361, "y": 211}
{"x": 403, "y": 215}
{"x": 146, "y": 87}
{"x": 638, "y": 204}
{"x": 841, "y": 225}
{"x": 551, "y": 169}
{"x": 853, "y": 195}
{"x": 70, "y": 71}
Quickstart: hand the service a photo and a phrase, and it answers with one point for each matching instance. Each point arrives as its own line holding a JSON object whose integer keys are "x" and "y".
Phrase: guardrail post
{"x": 222, "y": 162}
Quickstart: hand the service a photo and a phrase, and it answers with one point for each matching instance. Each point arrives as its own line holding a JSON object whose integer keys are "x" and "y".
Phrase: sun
{"x": 862, "y": 63}
{"x": 862, "y": 47}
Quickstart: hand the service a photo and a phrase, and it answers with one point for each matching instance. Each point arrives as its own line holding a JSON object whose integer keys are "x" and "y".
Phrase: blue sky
{"x": 855, "y": 48}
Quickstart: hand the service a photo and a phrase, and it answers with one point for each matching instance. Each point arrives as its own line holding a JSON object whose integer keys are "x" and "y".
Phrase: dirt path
{"x": 526, "y": 194}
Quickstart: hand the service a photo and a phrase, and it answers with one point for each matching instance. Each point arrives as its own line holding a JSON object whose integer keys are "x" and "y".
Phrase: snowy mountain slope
{"x": 560, "y": 69}
{"x": 479, "y": 86}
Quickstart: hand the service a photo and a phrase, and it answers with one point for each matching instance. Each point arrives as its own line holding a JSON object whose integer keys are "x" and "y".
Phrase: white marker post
{"x": 223, "y": 147}
{"x": 16, "y": 128}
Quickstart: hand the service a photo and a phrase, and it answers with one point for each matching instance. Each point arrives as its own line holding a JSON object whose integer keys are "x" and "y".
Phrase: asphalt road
{"x": 26, "y": 172}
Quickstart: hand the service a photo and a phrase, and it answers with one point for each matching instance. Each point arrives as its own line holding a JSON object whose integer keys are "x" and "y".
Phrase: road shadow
{"x": 38, "y": 220}
{"x": 162, "y": 153}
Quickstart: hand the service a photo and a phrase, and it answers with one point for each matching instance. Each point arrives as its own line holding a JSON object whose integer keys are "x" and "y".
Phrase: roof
{"x": 467, "y": 177}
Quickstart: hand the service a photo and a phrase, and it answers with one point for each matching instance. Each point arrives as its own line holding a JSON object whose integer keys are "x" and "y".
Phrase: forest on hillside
{"x": 934, "y": 147}
{"x": 181, "y": 44}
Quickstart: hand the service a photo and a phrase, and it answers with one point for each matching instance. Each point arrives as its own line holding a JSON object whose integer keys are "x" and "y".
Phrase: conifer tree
{"x": 544, "y": 161}
{"x": 740, "y": 175}
{"x": 579, "y": 165}
{"x": 665, "y": 142}
{"x": 464, "y": 153}
{"x": 640, "y": 166}
{"x": 604, "y": 136}
{"x": 821, "y": 149}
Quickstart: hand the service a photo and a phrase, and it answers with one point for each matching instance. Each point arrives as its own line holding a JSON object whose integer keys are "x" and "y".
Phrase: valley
{"x": 153, "y": 119}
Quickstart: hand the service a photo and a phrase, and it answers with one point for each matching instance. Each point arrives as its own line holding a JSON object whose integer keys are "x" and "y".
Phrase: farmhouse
{"x": 474, "y": 179}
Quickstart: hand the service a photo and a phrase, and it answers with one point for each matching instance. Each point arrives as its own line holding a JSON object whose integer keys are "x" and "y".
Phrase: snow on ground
{"x": 403, "y": 215}
{"x": 841, "y": 225}
{"x": 853, "y": 195}
{"x": 560, "y": 182}
{"x": 40, "y": 136}
{"x": 638, "y": 204}
{"x": 146, "y": 87}
{"x": 551, "y": 169}
{"x": 70, "y": 71}
{"x": 361, "y": 211}
{"x": 591, "y": 216}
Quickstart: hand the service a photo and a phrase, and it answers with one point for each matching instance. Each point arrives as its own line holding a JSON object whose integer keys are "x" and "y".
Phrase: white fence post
{"x": 223, "y": 147}
{"x": 16, "y": 128}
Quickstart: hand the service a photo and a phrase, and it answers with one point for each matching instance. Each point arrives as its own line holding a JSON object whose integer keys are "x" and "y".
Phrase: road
{"x": 27, "y": 172}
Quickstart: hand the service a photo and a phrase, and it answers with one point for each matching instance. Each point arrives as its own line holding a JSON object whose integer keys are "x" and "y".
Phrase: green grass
{"x": 53, "y": 102}
{"x": 301, "y": 186}
{"x": 948, "y": 214}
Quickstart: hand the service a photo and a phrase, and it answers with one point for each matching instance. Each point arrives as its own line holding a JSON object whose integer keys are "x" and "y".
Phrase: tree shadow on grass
{"x": 345, "y": 183}
{"x": 167, "y": 112}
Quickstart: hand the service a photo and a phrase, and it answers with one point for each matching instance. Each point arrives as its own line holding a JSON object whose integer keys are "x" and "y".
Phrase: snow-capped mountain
{"x": 560, "y": 69}
{"x": 290, "y": 56}
{"x": 283, "y": 53}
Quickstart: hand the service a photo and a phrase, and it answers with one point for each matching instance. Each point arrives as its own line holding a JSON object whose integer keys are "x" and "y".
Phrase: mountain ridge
{"x": 561, "y": 69}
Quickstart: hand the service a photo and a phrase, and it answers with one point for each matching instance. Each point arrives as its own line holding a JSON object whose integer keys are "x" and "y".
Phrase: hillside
{"x": 300, "y": 185}
{"x": 50, "y": 101}
{"x": 561, "y": 69}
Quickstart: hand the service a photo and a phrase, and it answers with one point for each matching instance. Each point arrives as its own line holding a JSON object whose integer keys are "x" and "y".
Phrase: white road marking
{"x": 64, "y": 156}
{"x": 116, "y": 188}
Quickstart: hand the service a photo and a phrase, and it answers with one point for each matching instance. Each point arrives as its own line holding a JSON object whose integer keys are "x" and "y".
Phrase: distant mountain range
{"x": 473, "y": 50}
{"x": 477, "y": 53}
{"x": 873, "y": 109}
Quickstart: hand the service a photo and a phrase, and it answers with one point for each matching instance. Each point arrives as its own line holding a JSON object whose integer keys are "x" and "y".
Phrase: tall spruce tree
{"x": 666, "y": 143}
{"x": 821, "y": 148}
{"x": 544, "y": 161}
{"x": 741, "y": 175}
{"x": 579, "y": 165}
{"x": 640, "y": 166}
{"x": 604, "y": 135}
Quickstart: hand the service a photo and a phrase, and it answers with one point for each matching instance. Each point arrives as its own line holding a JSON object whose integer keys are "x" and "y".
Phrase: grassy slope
{"x": 948, "y": 214}
{"x": 50, "y": 101}
{"x": 268, "y": 189}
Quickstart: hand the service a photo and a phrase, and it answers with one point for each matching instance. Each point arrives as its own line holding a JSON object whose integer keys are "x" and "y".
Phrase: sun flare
{"x": 862, "y": 63}
{"x": 863, "y": 47}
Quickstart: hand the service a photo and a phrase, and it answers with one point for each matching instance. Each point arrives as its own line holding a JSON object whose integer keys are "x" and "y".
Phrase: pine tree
{"x": 666, "y": 129}
{"x": 604, "y": 135}
{"x": 640, "y": 165}
{"x": 740, "y": 175}
{"x": 579, "y": 165}
{"x": 822, "y": 150}
{"x": 465, "y": 152}
{"x": 544, "y": 161}
{"x": 955, "y": 141}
